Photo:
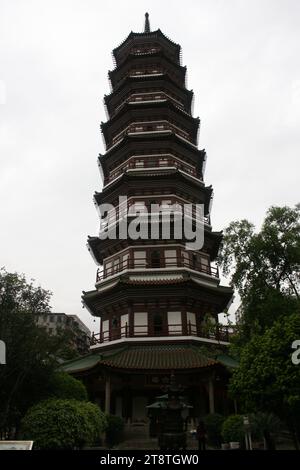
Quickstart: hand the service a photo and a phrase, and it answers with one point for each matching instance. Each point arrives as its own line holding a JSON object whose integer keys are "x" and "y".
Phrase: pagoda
{"x": 157, "y": 301}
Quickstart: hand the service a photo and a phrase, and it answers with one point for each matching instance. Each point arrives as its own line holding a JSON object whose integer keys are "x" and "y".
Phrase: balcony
{"x": 151, "y": 127}
{"x": 219, "y": 333}
{"x": 132, "y": 207}
{"x": 160, "y": 162}
{"x": 133, "y": 98}
{"x": 163, "y": 263}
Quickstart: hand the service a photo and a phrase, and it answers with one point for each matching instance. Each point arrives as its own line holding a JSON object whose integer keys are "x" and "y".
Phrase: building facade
{"x": 55, "y": 322}
{"x": 157, "y": 301}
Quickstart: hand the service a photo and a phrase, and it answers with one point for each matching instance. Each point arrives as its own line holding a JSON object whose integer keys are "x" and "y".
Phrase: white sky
{"x": 243, "y": 59}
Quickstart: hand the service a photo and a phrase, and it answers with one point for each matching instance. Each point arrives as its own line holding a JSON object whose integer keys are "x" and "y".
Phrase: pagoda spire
{"x": 147, "y": 23}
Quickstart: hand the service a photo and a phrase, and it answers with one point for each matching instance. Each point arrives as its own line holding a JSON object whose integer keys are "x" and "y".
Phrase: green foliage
{"x": 262, "y": 423}
{"x": 266, "y": 379}
{"x": 264, "y": 267}
{"x": 32, "y": 354}
{"x": 233, "y": 429}
{"x": 213, "y": 424}
{"x": 114, "y": 430}
{"x": 64, "y": 386}
{"x": 63, "y": 424}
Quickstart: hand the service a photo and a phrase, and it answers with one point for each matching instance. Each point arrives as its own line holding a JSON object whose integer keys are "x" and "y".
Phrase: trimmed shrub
{"x": 114, "y": 430}
{"x": 233, "y": 429}
{"x": 97, "y": 421}
{"x": 66, "y": 387}
{"x": 63, "y": 424}
{"x": 213, "y": 424}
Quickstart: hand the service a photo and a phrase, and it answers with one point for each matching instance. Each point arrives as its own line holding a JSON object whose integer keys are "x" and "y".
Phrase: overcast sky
{"x": 243, "y": 59}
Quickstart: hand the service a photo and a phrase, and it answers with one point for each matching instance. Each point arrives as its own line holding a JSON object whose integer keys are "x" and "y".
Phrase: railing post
{"x": 189, "y": 328}
{"x": 126, "y": 330}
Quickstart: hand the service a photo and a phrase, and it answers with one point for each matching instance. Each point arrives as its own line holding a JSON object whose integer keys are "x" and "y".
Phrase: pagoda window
{"x": 165, "y": 205}
{"x": 155, "y": 259}
{"x": 140, "y": 323}
{"x": 194, "y": 261}
{"x": 158, "y": 323}
{"x": 170, "y": 258}
{"x": 125, "y": 261}
{"x": 116, "y": 265}
{"x": 185, "y": 259}
{"x": 163, "y": 162}
{"x": 108, "y": 268}
{"x": 137, "y": 207}
{"x": 124, "y": 325}
{"x": 139, "y": 259}
{"x": 191, "y": 323}
{"x": 205, "y": 265}
{"x": 105, "y": 330}
{"x": 174, "y": 323}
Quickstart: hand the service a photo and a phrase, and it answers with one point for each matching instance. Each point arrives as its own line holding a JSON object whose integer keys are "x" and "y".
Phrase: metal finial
{"x": 147, "y": 23}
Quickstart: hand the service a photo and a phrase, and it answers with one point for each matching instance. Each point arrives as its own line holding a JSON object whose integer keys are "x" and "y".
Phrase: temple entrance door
{"x": 139, "y": 410}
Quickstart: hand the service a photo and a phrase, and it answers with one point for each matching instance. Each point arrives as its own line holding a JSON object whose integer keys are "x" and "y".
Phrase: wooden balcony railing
{"x": 219, "y": 333}
{"x": 144, "y": 127}
{"x": 131, "y": 206}
{"x": 157, "y": 263}
{"x": 158, "y": 163}
{"x": 140, "y": 97}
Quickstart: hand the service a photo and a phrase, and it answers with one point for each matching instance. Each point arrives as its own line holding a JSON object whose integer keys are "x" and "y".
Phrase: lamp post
{"x": 248, "y": 440}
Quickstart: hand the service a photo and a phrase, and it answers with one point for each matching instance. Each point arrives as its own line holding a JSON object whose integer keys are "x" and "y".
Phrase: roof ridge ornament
{"x": 147, "y": 23}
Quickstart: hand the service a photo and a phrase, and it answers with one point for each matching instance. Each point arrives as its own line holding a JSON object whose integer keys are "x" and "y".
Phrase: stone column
{"x": 107, "y": 393}
{"x": 211, "y": 395}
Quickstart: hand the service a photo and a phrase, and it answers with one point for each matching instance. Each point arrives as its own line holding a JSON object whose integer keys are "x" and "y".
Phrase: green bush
{"x": 63, "y": 424}
{"x": 114, "y": 430}
{"x": 97, "y": 421}
{"x": 233, "y": 429}
{"x": 66, "y": 387}
{"x": 213, "y": 425}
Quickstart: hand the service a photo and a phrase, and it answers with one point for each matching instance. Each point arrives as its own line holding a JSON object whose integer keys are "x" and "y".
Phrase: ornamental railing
{"x": 150, "y": 96}
{"x": 217, "y": 333}
{"x": 140, "y": 264}
{"x": 133, "y": 207}
{"x": 150, "y": 127}
{"x": 157, "y": 163}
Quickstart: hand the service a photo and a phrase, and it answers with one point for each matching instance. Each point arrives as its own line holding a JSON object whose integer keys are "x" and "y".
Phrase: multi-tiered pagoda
{"x": 157, "y": 301}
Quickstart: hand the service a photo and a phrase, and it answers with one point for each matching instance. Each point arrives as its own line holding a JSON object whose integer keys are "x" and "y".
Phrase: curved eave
{"x": 98, "y": 248}
{"x": 153, "y": 78}
{"x": 153, "y": 34}
{"x": 126, "y": 177}
{"x": 130, "y": 110}
{"x": 136, "y": 137}
{"x": 167, "y": 103}
{"x": 124, "y": 286}
{"x": 154, "y": 55}
{"x": 130, "y": 79}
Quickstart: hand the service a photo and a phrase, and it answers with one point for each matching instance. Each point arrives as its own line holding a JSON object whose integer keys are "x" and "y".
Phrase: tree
{"x": 264, "y": 267}
{"x": 266, "y": 379}
{"x": 32, "y": 354}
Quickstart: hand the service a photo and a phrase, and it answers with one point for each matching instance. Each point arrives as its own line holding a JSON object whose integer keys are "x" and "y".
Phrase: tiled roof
{"x": 159, "y": 357}
{"x": 159, "y": 281}
{"x": 144, "y": 357}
